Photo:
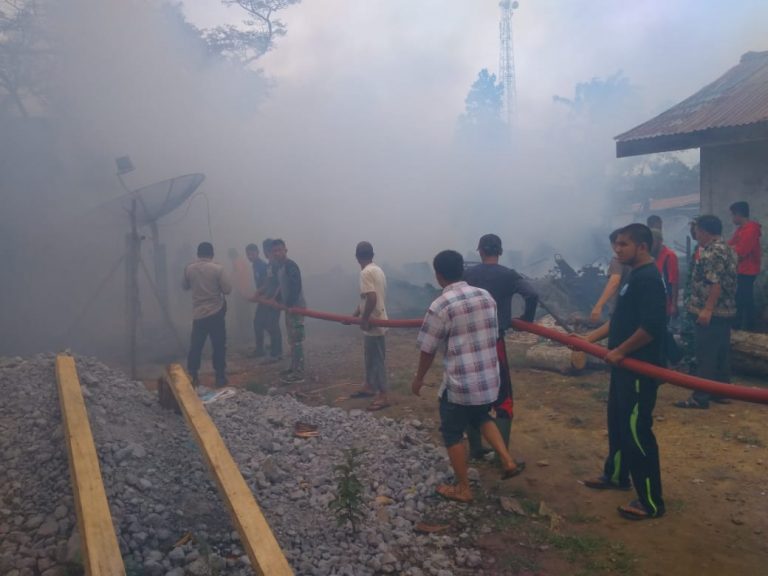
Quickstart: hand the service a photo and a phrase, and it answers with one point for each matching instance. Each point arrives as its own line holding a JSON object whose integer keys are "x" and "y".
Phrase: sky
{"x": 429, "y": 52}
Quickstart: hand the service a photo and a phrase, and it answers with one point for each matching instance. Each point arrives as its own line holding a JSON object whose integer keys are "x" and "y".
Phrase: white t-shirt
{"x": 372, "y": 279}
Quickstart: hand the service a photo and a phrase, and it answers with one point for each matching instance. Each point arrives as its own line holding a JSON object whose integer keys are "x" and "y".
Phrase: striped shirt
{"x": 462, "y": 323}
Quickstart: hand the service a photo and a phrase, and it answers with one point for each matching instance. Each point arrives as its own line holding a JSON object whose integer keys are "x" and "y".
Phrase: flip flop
{"x": 690, "y": 404}
{"x": 516, "y": 471}
{"x": 603, "y": 483}
{"x": 634, "y": 511}
{"x": 362, "y": 394}
{"x": 451, "y": 492}
{"x": 376, "y": 406}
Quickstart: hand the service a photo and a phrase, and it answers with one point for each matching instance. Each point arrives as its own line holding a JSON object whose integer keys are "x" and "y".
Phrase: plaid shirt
{"x": 462, "y": 322}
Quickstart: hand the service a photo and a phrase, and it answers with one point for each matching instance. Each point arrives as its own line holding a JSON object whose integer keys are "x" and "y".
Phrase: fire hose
{"x": 737, "y": 392}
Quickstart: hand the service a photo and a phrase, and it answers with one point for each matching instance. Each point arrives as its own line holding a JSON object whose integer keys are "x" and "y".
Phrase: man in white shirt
{"x": 372, "y": 306}
{"x": 209, "y": 284}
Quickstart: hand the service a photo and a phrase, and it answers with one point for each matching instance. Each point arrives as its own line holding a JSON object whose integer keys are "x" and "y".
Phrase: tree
{"x": 601, "y": 98}
{"x": 654, "y": 177}
{"x": 482, "y": 123}
{"x": 23, "y": 55}
{"x": 257, "y": 33}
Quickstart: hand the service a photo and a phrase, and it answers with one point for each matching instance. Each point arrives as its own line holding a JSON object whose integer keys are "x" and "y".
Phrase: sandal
{"x": 636, "y": 510}
{"x": 375, "y": 406}
{"x": 603, "y": 483}
{"x": 452, "y": 492}
{"x": 691, "y": 403}
{"x": 517, "y": 470}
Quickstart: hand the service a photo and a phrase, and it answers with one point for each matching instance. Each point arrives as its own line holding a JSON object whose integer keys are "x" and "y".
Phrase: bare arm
{"x": 610, "y": 289}
{"x": 224, "y": 283}
{"x": 598, "y": 333}
{"x": 638, "y": 339}
{"x": 705, "y": 316}
{"x": 425, "y": 362}
{"x": 368, "y": 308}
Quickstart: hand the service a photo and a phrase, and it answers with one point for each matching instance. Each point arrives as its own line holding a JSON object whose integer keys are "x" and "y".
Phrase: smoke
{"x": 348, "y": 133}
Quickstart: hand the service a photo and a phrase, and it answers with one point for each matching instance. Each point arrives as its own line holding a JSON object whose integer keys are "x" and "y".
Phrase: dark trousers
{"x": 375, "y": 352}
{"x": 267, "y": 319}
{"x": 745, "y": 302}
{"x": 713, "y": 354}
{"x": 504, "y": 404}
{"x": 632, "y": 447}
{"x": 212, "y": 326}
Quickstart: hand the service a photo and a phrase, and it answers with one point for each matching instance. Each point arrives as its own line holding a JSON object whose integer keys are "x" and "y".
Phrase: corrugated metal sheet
{"x": 738, "y": 98}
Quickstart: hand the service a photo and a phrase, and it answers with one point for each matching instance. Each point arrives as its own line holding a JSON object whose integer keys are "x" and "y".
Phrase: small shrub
{"x": 348, "y": 505}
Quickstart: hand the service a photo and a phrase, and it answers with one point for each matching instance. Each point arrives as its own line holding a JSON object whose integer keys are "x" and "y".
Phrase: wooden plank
{"x": 100, "y": 549}
{"x": 266, "y": 556}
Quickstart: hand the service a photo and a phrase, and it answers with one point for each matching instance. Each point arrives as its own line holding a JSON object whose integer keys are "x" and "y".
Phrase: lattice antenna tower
{"x": 507, "y": 60}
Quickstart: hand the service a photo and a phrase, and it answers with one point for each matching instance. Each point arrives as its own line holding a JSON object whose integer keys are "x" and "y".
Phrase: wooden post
{"x": 266, "y": 556}
{"x": 100, "y": 549}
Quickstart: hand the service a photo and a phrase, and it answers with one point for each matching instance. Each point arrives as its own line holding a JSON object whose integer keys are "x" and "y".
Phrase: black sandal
{"x": 691, "y": 403}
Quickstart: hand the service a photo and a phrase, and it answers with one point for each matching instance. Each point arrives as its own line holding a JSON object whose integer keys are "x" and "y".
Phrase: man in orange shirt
{"x": 746, "y": 243}
{"x": 666, "y": 262}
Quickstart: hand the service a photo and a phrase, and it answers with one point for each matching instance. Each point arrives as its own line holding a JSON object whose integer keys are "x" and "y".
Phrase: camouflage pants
{"x": 294, "y": 328}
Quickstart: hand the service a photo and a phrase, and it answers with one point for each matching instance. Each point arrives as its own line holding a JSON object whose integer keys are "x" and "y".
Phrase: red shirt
{"x": 746, "y": 244}
{"x": 667, "y": 264}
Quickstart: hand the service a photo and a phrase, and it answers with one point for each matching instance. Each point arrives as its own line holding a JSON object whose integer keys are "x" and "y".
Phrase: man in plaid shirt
{"x": 462, "y": 323}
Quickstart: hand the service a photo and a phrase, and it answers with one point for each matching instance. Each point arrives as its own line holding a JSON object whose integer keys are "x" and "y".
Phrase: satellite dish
{"x": 156, "y": 200}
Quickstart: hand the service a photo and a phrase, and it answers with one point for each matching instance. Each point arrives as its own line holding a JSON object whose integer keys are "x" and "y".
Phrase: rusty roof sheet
{"x": 738, "y": 98}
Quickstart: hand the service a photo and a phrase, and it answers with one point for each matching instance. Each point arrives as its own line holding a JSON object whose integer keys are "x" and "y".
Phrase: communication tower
{"x": 507, "y": 60}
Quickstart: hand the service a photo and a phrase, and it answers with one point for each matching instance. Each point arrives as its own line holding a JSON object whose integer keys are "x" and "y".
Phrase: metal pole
{"x": 133, "y": 289}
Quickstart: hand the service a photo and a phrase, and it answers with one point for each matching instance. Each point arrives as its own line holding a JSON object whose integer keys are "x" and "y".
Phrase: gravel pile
{"x": 160, "y": 492}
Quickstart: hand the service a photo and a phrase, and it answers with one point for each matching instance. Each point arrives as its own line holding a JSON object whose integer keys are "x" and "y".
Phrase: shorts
{"x": 454, "y": 419}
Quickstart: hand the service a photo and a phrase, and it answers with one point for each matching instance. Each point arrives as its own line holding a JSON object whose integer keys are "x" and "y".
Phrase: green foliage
{"x": 347, "y": 505}
{"x": 74, "y": 569}
{"x": 482, "y": 123}
{"x": 661, "y": 176}
{"x": 256, "y": 387}
{"x": 24, "y": 55}
{"x": 600, "y": 98}
{"x": 256, "y": 33}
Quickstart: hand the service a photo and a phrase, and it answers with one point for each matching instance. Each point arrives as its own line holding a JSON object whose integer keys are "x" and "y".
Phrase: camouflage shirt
{"x": 716, "y": 265}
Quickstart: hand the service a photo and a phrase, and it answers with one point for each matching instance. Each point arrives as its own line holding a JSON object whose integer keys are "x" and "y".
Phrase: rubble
{"x": 167, "y": 513}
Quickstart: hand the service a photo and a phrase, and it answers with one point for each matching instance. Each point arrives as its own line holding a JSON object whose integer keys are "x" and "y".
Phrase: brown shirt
{"x": 209, "y": 284}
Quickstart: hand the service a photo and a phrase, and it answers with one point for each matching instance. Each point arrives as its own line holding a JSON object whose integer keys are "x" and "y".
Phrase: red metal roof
{"x": 738, "y": 98}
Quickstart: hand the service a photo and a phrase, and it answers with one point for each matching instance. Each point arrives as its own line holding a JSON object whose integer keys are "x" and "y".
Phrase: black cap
{"x": 490, "y": 244}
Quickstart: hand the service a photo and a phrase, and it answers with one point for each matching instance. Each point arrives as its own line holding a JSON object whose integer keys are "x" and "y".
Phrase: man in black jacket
{"x": 636, "y": 330}
{"x": 502, "y": 283}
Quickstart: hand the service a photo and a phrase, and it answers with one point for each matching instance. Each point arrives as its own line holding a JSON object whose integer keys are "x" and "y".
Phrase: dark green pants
{"x": 632, "y": 448}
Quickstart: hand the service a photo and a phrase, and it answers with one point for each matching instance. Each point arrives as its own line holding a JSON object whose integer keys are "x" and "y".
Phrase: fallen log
{"x": 556, "y": 358}
{"x": 749, "y": 353}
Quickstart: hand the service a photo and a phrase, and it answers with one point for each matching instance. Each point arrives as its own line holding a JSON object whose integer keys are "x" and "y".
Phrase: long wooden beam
{"x": 266, "y": 556}
{"x": 99, "y": 543}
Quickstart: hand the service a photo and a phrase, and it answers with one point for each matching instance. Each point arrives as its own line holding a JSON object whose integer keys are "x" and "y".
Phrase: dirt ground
{"x": 714, "y": 467}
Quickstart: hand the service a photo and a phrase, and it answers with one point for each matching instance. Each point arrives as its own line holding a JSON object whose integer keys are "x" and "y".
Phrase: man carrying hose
{"x": 502, "y": 283}
{"x": 462, "y": 323}
{"x": 372, "y": 306}
{"x": 636, "y": 330}
{"x": 291, "y": 295}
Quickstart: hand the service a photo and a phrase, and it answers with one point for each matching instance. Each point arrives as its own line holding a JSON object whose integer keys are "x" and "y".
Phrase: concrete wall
{"x": 738, "y": 172}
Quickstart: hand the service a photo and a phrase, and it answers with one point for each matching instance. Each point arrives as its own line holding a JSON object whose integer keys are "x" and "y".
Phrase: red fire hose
{"x": 745, "y": 393}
